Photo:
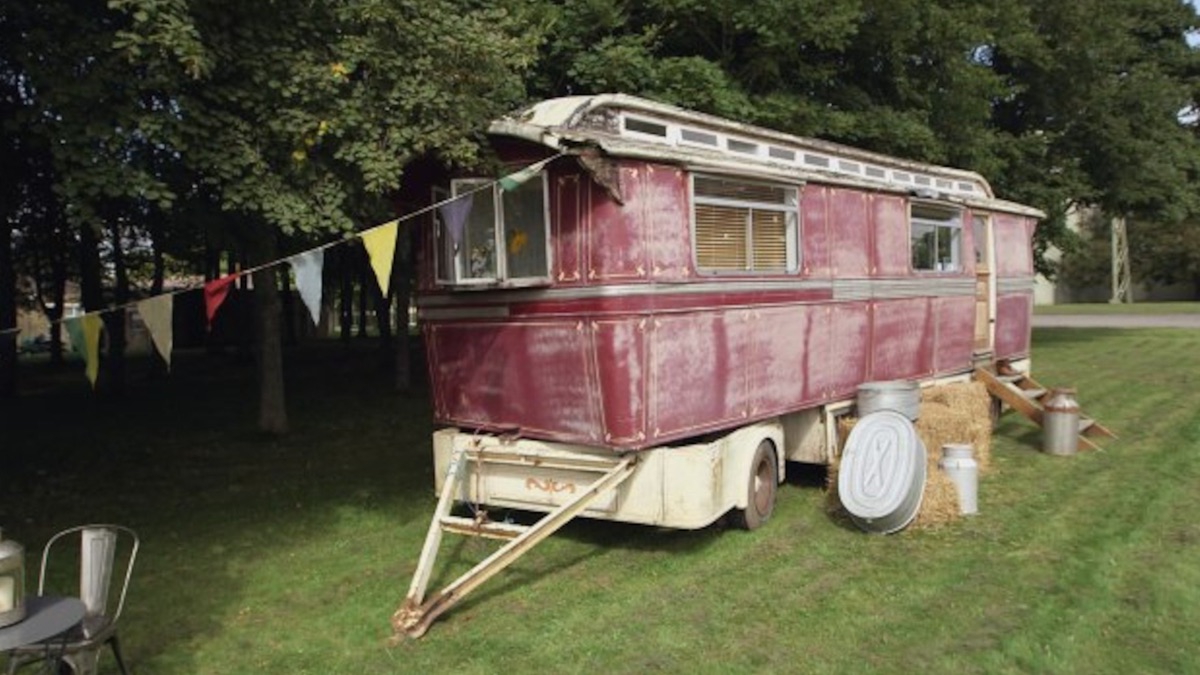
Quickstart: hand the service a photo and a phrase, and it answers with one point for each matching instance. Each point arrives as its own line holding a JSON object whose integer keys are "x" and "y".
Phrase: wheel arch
{"x": 739, "y": 456}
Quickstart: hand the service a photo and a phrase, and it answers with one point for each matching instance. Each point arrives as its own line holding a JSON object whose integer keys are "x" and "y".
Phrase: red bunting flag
{"x": 215, "y": 292}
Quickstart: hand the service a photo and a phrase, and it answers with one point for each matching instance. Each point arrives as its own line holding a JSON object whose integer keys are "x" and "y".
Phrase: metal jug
{"x": 1060, "y": 424}
{"x": 12, "y": 581}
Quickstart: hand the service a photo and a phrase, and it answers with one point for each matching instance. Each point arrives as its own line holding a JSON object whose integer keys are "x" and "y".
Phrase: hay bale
{"x": 957, "y": 413}
{"x": 951, "y": 413}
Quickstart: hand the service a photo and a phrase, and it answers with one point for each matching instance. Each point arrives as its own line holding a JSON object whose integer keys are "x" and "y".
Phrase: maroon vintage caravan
{"x": 685, "y": 302}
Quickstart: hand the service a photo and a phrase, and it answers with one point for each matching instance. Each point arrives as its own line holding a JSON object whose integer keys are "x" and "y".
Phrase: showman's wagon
{"x": 660, "y": 308}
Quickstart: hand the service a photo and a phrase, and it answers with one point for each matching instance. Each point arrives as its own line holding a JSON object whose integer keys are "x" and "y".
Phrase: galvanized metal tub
{"x": 900, "y": 396}
{"x": 881, "y": 479}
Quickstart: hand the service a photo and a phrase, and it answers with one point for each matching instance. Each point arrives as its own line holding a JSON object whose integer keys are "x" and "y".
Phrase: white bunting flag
{"x": 157, "y": 313}
{"x": 307, "y": 267}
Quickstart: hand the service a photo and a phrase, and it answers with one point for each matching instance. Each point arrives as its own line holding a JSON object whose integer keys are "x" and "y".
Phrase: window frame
{"x": 953, "y": 222}
{"x": 792, "y": 224}
{"x": 500, "y": 229}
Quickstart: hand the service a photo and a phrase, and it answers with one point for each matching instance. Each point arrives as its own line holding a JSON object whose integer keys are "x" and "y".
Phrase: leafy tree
{"x": 305, "y": 125}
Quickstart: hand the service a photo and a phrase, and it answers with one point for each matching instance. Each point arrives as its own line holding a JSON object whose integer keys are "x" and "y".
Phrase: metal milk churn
{"x": 1060, "y": 424}
{"x": 12, "y": 582}
{"x": 959, "y": 465}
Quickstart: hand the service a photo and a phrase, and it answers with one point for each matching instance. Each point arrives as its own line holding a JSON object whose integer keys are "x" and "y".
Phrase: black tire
{"x": 761, "y": 486}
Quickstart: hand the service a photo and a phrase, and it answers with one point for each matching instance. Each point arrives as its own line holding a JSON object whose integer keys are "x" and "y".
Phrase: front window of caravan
{"x": 503, "y": 237}
{"x": 936, "y": 239}
{"x": 743, "y": 226}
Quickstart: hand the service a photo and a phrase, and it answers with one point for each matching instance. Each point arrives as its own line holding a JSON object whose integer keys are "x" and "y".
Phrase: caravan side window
{"x": 744, "y": 226}
{"x": 936, "y": 238}
{"x": 503, "y": 238}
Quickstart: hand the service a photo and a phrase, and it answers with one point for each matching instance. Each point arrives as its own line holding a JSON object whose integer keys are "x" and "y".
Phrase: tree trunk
{"x": 289, "y": 306}
{"x": 272, "y": 411}
{"x": 91, "y": 288}
{"x": 346, "y": 315}
{"x": 58, "y": 267}
{"x": 156, "y": 244}
{"x": 364, "y": 291}
{"x": 114, "y": 321}
{"x": 8, "y": 315}
{"x": 383, "y": 319}
{"x": 402, "y": 283}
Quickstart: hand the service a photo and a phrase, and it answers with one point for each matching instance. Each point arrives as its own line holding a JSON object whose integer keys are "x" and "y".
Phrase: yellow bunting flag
{"x": 157, "y": 313}
{"x": 381, "y": 247}
{"x": 92, "y": 324}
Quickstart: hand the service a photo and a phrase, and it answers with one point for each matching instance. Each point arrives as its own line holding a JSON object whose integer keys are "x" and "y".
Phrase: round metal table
{"x": 45, "y": 617}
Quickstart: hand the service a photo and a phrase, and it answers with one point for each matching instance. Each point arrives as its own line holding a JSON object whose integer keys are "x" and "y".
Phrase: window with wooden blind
{"x": 744, "y": 226}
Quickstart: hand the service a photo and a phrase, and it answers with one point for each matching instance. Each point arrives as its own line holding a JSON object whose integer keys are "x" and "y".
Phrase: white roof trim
{"x": 741, "y": 148}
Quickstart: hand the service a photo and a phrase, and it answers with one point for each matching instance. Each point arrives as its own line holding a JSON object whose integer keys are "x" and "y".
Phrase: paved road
{"x": 1116, "y": 320}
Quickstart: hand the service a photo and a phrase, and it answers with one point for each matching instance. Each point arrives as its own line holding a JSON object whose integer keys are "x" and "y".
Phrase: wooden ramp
{"x": 1023, "y": 394}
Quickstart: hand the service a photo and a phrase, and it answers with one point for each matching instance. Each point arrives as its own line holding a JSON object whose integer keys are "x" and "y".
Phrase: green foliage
{"x": 1056, "y": 104}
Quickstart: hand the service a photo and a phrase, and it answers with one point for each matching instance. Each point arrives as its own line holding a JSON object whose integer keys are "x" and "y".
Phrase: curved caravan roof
{"x": 627, "y": 126}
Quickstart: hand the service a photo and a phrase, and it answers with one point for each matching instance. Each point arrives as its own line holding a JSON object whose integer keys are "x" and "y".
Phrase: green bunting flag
{"x": 513, "y": 180}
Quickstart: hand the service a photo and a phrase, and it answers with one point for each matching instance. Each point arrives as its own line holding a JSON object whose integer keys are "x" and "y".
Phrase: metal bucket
{"x": 1060, "y": 423}
{"x": 881, "y": 479}
{"x": 959, "y": 465}
{"x": 901, "y": 396}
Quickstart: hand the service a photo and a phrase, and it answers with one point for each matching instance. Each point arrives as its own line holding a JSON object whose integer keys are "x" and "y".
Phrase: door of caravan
{"x": 985, "y": 284}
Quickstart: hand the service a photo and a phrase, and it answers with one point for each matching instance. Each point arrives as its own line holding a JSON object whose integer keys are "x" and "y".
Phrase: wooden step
{"x": 1023, "y": 394}
{"x": 487, "y": 529}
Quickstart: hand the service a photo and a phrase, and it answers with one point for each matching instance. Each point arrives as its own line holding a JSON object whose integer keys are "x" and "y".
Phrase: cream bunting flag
{"x": 92, "y": 324}
{"x": 308, "y": 266}
{"x": 381, "y": 247}
{"x": 157, "y": 313}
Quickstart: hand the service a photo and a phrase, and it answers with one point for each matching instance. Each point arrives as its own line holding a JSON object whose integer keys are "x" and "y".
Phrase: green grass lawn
{"x": 288, "y": 556}
{"x": 1120, "y": 308}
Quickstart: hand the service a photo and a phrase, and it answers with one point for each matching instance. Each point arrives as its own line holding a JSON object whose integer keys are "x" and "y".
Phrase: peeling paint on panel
{"x": 814, "y": 231}
{"x": 568, "y": 229}
{"x": 955, "y": 321}
{"x": 849, "y": 233}
{"x": 1014, "y": 250}
{"x": 1013, "y": 324}
{"x": 889, "y": 228}
{"x": 618, "y": 233}
{"x": 903, "y": 338}
{"x": 484, "y": 378}
{"x": 666, "y": 216}
{"x": 778, "y": 376}
{"x": 619, "y": 347}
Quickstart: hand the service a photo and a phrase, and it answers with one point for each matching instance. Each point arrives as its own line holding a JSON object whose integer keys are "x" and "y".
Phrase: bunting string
{"x": 380, "y": 242}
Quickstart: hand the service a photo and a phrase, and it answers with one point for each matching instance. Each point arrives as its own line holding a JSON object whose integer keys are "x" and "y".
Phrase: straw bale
{"x": 951, "y": 413}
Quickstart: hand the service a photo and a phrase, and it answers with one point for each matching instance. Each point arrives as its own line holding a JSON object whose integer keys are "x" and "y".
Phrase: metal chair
{"x": 101, "y": 549}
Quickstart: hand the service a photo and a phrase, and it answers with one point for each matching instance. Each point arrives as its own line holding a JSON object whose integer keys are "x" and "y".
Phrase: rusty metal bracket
{"x": 415, "y": 615}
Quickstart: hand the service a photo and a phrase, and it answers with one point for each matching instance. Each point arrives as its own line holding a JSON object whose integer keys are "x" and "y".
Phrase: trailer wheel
{"x": 762, "y": 485}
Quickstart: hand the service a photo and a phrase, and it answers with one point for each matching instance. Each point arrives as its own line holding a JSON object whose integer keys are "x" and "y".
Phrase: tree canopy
{"x": 298, "y": 117}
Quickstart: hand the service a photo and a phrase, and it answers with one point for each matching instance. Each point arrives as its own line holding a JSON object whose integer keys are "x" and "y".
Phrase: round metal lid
{"x": 882, "y": 475}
